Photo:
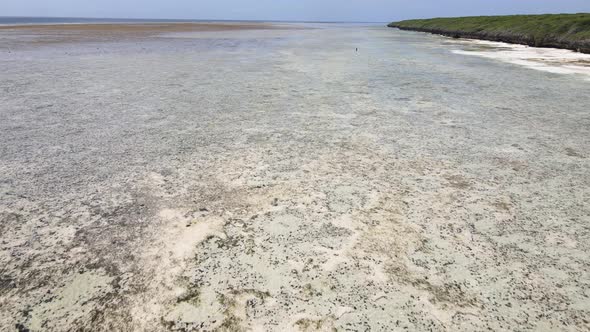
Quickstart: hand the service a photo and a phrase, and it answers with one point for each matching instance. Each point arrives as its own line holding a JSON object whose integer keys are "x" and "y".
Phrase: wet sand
{"x": 278, "y": 180}
{"x": 15, "y": 36}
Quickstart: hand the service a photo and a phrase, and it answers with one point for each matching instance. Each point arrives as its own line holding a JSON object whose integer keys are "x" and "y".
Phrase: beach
{"x": 288, "y": 177}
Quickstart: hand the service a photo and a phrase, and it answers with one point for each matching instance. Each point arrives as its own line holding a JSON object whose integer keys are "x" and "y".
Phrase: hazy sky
{"x": 324, "y": 10}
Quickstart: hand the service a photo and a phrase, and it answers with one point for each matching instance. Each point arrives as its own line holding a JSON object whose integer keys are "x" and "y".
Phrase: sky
{"x": 287, "y": 10}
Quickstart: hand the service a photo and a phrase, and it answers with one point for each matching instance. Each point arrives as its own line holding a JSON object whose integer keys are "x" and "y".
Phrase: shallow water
{"x": 282, "y": 180}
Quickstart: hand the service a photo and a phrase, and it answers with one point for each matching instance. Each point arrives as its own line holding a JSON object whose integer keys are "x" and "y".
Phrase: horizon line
{"x": 189, "y": 19}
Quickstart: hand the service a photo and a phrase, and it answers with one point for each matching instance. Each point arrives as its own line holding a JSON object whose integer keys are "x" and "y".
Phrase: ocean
{"x": 17, "y": 20}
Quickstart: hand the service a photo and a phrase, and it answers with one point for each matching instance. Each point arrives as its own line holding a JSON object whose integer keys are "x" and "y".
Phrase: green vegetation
{"x": 571, "y": 31}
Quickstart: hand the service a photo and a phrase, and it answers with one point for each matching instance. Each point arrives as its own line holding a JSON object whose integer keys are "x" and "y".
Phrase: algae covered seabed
{"x": 276, "y": 179}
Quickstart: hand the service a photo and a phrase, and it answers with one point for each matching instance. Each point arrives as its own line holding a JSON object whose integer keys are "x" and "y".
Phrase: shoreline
{"x": 552, "y": 60}
{"x": 563, "y": 31}
{"x": 519, "y": 40}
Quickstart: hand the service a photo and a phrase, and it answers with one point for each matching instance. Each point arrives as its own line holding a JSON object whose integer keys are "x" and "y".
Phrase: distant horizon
{"x": 361, "y": 11}
{"x": 147, "y": 19}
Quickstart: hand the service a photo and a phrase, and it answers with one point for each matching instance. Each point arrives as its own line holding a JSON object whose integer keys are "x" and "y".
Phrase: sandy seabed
{"x": 272, "y": 178}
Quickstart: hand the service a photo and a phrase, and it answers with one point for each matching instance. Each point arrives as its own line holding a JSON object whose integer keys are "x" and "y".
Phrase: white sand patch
{"x": 176, "y": 244}
{"x": 71, "y": 302}
{"x": 206, "y": 308}
{"x": 551, "y": 60}
{"x": 186, "y": 233}
{"x": 338, "y": 256}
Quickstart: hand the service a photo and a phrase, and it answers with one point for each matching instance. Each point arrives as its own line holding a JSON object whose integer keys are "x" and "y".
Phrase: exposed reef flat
{"x": 14, "y": 36}
{"x": 568, "y": 31}
{"x": 279, "y": 180}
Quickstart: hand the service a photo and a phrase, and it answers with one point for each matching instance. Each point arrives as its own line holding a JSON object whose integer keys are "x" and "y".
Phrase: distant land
{"x": 567, "y": 31}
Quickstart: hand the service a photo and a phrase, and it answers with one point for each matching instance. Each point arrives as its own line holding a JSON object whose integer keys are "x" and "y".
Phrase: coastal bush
{"x": 552, "y": 30}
